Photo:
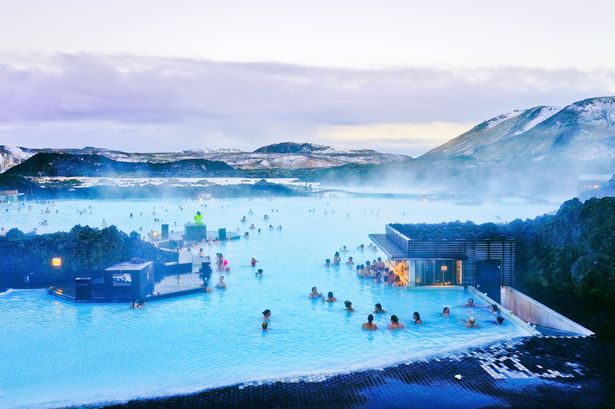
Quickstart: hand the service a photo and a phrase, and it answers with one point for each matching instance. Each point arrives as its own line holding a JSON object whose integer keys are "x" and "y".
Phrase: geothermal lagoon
{"x": 55, "y": 352}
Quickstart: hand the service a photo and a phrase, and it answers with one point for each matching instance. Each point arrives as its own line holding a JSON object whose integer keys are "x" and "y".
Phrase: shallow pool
{"x": 54, "y": 352}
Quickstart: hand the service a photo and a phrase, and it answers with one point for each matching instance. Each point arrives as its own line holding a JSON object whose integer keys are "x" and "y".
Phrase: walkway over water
{"x": 177, "y": 283}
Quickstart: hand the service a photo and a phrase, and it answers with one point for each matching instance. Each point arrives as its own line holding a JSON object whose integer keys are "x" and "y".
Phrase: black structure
{"x": 130, "y": 280}
{"x": 195, "y": 232}
{"x": 486, "y": 263}
{"x": 83, "y": 288}
{"x": 164, "y": 234}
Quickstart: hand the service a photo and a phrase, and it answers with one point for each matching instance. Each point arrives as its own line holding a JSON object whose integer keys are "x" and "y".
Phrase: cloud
{"x": 413, "y": 138}
{"x": 146, "y": 103}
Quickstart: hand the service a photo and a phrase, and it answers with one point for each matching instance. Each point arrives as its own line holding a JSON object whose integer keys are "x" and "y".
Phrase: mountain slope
{"x": 538, "y": 151}
{"x": 67, "y": 164}
{"x": 285, "y": 155}
{"x": 584, "y": 129}
{"x": 292, "y": 147}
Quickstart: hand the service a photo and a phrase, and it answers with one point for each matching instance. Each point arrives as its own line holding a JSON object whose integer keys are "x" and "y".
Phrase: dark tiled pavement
{"x": 537, "y": 372}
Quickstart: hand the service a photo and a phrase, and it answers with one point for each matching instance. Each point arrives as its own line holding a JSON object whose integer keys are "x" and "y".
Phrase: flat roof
{"x": 392, "y": 250}
{"x": 450, "y": 231}
{"x": 128, "y": 266}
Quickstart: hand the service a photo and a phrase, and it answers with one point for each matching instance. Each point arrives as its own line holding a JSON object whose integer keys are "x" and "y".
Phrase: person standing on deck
{"x": 198, "y": 218}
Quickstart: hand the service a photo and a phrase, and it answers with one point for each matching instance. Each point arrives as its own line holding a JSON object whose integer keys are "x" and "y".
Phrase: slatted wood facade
{"x": 471, "y": 251}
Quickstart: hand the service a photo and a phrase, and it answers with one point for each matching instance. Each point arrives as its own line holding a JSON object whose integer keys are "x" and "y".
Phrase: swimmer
{"x": 330, "y": 297}
{"x": 369, "y": 325}
{"x": 336, "y": 259}
{"x": 499, "y": 320}
{"x": 315, "y": 293}
{"x": 395, "y": 324}
{"x": 259, "y": 272}
{"x": 266, "y": 315}
{"x": 253, "y": 262}
{"x": 417, "y": 318}
{"x": 328, "y": 262}
{"x": 446, "y": 312}
{"x": 493, "y": 308}
{"x": 221, "y": 284}
{"x": 348, "y": 305}
{"x": 350, "y": 261}
{"x": 264, "y": 326}
{"x": 470, "y": 302}
{"x": 378, "y": 309}
{"x": 471, "y": 323}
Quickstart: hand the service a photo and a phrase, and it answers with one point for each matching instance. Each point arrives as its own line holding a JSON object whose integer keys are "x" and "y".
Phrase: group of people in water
{"x": 375, "y": 269}
{"x": 395, "y": 323}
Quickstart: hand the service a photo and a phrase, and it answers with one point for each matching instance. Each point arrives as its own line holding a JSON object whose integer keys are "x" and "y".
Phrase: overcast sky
{"x": 397, "y": 76}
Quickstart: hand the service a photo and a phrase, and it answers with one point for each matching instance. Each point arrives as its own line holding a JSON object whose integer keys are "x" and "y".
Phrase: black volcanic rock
{"x": 292, "y": 147}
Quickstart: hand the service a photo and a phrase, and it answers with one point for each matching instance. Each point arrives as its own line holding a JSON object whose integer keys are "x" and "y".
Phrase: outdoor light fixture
{"x": 56, "y": 262}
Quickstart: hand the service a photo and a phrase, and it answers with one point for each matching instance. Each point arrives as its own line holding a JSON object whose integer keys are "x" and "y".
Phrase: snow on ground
{"x": 545, "y": 113}
{"x": 504, "y": 117}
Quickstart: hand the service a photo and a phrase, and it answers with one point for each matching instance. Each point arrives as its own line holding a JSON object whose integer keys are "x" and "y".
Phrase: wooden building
{"x": 485, "y": 263}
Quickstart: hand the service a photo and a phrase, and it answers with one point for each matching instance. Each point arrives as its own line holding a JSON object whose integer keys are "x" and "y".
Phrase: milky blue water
{"x": 54, "y": 352}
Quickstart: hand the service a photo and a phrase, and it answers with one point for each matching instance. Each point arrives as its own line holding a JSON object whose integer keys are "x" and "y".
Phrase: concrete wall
{"x": 484, "y": 298}
{"x": 530, "y": 310}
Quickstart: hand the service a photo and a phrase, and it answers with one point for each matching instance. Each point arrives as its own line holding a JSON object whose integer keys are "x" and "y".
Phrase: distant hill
{"x": 292, "y": 147}
{"x": 285, "y": 156}
{"x": 68, "y": 164}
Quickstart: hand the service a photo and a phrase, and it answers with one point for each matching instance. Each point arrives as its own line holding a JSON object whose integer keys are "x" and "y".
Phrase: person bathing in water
{"x": 348, "y": 305}
{"x": 330, "y": 297}
{"x": 378, "y": 309}
{"x": 446, "y": 312}
{"x": 417, "y": 318}
{"x": 470, "y": 302}
{"x": 221, "y": 284}
{"x": 369, "y": 325}
{"x": 471, "y": 323}
{"x": 395, "y": 324}
{"x": 315, "y": 293}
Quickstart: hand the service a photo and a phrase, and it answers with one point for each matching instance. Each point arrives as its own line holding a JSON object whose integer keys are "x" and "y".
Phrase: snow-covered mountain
{"x": 584, "y": 130}
{"x": 285, "y": 155}
{"x": 532, "y": 151}
{"x": 11, "y": 156}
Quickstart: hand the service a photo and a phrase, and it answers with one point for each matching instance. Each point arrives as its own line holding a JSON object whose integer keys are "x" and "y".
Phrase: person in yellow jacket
{"x": 198, "y": 218}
